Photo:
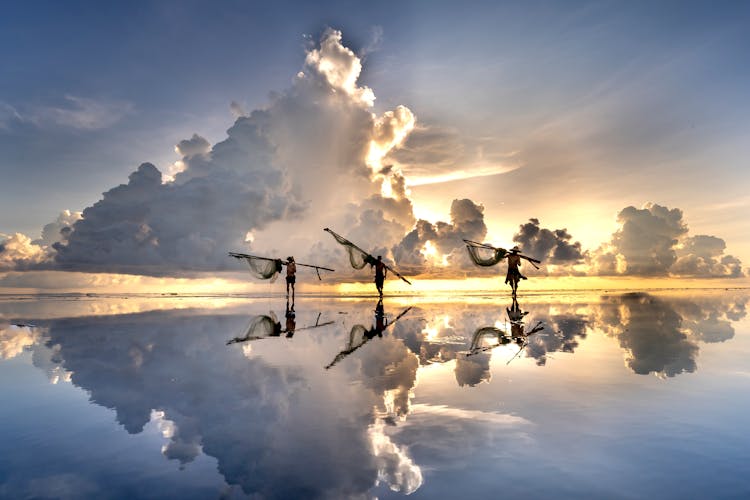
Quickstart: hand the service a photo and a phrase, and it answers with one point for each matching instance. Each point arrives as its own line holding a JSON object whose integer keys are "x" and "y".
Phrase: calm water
{"x": 618, "y": 396}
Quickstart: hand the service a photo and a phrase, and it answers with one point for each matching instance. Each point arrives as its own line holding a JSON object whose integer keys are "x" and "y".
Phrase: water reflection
{"x": 473, "y": 367}
{"x": 359, "y": 335}
{"x": 281, "y": 427}
{"x": 268, "y": 326}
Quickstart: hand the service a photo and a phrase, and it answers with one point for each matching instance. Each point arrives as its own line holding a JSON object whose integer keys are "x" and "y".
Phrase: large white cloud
{"x": 654, "y": 241}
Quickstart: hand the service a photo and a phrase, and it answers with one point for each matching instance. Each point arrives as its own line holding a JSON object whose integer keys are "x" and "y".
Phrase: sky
{"x": 605, "y": 138}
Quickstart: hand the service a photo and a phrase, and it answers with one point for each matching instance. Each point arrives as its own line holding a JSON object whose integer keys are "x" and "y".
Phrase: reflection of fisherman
{"x": 380, "y": 321}
{"x": 276, "y": 328}
{"x": 291, "y": 270}
{"x": 380, "y": 273}
{"x": 514, "y": 274}
{"x": 515, "y": 314}
{"x": 291, "y": 321}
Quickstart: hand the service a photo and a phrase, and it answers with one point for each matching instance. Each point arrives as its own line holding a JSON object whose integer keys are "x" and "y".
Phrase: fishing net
{"x": 357, "y": 338}
{"x": 260, "y": 327}
{"x": 485, "y": 256}
{"x": 264, "y": 268}
{"x": 357, "y": 258}
{"x": 489, "y": 332}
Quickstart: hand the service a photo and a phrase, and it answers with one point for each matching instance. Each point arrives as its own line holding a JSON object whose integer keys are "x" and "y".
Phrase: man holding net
{"x": 380, "y": 272}
{"x": 514, "y": 274}
{"x": 291, "y": 271}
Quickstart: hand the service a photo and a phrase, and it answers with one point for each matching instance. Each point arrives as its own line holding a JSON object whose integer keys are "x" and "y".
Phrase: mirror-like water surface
{"x": 609, "y": 396}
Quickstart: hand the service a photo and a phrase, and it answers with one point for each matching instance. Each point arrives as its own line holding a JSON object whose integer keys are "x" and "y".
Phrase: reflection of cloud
{"x": 14, "y": 339}
{"x": 563, "y": 330}
{"x": 473, "y": 370}
{"x": 651, "y": 333}
{"x": 169, "y": 370}
{"x": 395, "y": 467}
{"x": 460, "y": 413}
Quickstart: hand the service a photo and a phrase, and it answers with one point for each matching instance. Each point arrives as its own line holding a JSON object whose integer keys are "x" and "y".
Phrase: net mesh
{"x": 356, "y": 336}
{"x": 357, "y": 258}
{"x": 484, "y": 256}
{"x": 487, "y": 332}
{"x": 262, "y": 326}
{"x": 264, "y": 268}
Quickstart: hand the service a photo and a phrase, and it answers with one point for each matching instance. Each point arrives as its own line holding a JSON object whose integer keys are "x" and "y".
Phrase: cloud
{"x": 376, "y": 38}
{"x": 340, "y": 66}
{"x": 8, "y": 116}
{"x": 59, "y": 229}
{"x": 442, "y": 243}
{"x": 196, "y": 145}
{"x": 80, "y": 113}
{"x": 314, "y": 153}
{"x": 433, "y": 154}
{"x": 549, "y": 246}
{"x": 654, "y": 241}
{"x": 703, "y": 255}
{"x": 18, "y": 252}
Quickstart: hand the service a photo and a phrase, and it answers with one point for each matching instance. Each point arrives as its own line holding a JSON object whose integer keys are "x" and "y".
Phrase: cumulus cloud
{"x": 59, "y": 229}
{"x": 18, "y": 252}
{"x": 196, "y": 145}
{"x": 654, "y": 241}
{"x": 314, "y": 153}
{"x": 443, "y": 241}
{"x": 340, "y": 66}
{"x": 703, "y": 255}
{"x": 549, "y": 246}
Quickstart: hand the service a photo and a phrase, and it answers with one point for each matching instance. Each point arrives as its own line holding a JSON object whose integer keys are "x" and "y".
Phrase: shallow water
{"x": 618, "y": 396}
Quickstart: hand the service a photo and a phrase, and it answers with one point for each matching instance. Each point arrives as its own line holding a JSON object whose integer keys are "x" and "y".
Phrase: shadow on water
{"x": 280, "y": 426}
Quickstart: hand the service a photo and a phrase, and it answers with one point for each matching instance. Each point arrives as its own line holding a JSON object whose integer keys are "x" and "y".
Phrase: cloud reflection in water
{"x": 280, "y": 425}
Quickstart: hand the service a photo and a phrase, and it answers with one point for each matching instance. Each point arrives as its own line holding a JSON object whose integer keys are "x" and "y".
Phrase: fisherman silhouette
{"x": 380, "y": 273}
{"x": 514, "y": 274}
{"x": 291, "y": 321}
{"x": 291, "y": 271}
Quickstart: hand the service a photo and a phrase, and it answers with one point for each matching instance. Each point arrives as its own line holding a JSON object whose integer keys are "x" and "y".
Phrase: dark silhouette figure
{"x": 291, "y": 321}
{"x": 515, "y": 314}
{"x": 380, "y": 273}
{"x": 381, "y": 322}
{"x": 291, "y": 271}
{"x": 514, "y": 274}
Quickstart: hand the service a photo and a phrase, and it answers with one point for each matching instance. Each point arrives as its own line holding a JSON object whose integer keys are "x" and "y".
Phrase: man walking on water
{"x": 291, "y": 270}
{"x": 380, "y": 272}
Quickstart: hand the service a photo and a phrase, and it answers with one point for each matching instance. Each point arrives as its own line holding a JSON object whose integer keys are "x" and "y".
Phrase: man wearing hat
{"x": 291, "y": 270}
{"x": 514, "y": 274}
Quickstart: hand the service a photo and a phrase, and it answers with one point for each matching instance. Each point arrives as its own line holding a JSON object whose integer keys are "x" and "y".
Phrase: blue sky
{"x": 607, "y": 104}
